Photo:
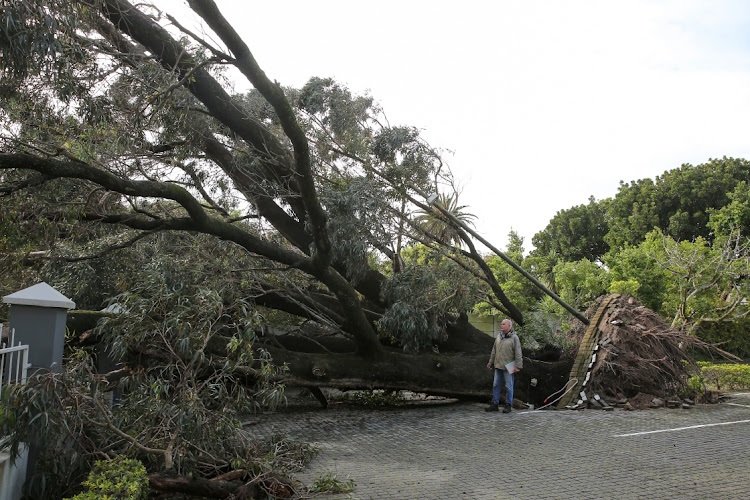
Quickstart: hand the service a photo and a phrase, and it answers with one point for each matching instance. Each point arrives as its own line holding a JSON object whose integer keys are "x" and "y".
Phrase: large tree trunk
{"x": 456, "y": 375}
{"x": 459, "y": 369}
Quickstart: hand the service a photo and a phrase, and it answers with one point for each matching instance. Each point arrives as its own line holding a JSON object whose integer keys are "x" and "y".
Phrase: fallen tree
{"x": 116, "y": 116}
{"x": 325, "y": 203}
{"x": 190, "y": 371}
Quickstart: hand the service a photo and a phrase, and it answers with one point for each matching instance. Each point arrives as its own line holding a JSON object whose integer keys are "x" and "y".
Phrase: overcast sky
{"x": 543, "y": 103}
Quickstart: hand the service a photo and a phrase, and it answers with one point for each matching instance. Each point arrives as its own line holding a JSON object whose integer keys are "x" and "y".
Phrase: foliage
{"x": 32, "y": 224}
{"x": 544, "y": 330}
{"x": 377, "y": 397}
{"x": 692, "y": 282}
{"x": 179, "y": 406}
{"x": 724, "y": 376}
{"x": 635, "y": 269}
{"x": 694, "y": 387}
{"x": 576, "y": 233}
{"x": 709, "y": 281}
{"x": 693, "y": 270}
{"x": 434, "y": 223}
{"x": 411, "y": 320}
{"x": 625, "y": 287}
{"x": 331, "y": 483}
{"x": 35, "y": 37}
{"x": 282, "y": 454}
{"x": 357, "y": 221}
{"x": 518, "y": 289}
{"x": 580, "y": 283}
{"x": 120, "y": 478}
{"x": 734, "y": 216}
{"x": 366, "y": 166}
{"x": 430, "y": 288}
{"x": 731, "y": 336}
{"x": 42, "y": 411}
{"x": 679, "y": 202}
{"x": 177, "y": 321}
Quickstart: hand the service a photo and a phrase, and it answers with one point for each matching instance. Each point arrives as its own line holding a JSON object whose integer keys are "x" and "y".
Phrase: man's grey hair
{"x": 509, "y": 321}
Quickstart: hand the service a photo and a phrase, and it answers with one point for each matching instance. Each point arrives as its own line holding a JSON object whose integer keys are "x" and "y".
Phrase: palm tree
{"x": 434, "y": 223}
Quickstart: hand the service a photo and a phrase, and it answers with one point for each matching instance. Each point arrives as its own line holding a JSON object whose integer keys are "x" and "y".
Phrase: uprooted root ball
{"x": 639, "y": 352}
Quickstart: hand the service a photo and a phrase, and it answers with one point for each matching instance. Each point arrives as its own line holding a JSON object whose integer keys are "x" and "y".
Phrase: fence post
{"x": 38, "y": 315}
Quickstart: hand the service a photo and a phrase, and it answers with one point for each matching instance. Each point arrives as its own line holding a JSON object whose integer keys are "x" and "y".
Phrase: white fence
{"x": 14, "y": 363}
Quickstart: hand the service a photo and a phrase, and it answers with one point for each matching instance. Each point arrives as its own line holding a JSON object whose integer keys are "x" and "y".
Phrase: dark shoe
{"x": 492, "y": 407}
{"x": 507, "y": 409}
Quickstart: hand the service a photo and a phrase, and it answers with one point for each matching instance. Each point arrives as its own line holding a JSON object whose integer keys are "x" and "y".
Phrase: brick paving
{"x": 459, "y": 451}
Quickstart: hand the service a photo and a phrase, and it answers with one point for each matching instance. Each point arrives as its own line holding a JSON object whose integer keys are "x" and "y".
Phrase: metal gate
{"x": 14, "y": 363}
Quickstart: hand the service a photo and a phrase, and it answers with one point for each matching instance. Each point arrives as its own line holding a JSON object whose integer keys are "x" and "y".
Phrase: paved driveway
{"x": 461, "y": 452}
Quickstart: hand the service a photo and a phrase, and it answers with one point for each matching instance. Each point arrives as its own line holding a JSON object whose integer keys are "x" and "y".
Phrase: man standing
{"x": 506, "y": 359}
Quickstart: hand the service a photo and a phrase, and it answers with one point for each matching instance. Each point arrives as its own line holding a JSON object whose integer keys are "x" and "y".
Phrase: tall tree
{"x": 678, "y": 202}
{"x": 576, "y": 233}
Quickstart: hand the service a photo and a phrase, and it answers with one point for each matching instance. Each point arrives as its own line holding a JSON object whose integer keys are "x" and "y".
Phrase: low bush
{"x": 724, "y": 376}
{"x": 120, "y": 478}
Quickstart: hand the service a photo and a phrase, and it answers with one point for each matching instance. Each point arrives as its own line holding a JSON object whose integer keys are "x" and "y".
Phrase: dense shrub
{"x": 731, "y": 336}
{"x": 725, "y": 376}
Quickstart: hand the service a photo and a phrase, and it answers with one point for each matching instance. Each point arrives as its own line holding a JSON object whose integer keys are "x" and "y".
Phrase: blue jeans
{"x": 497, "y": 384}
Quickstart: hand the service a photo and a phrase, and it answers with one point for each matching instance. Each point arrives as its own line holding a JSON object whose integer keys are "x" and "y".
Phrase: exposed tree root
{"x": 640, "y": 353}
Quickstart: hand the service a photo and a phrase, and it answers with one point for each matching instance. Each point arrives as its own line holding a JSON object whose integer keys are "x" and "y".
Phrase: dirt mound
{"x": 638, "y": 353}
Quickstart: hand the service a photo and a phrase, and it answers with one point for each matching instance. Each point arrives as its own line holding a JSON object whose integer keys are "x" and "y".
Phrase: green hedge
{"x": 725, "y": 376}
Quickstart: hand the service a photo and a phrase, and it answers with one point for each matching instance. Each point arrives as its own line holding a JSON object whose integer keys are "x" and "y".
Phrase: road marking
{"x": 681, "y": 428}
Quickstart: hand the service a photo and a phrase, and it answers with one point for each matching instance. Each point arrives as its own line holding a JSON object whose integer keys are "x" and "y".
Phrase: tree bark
{"x": 267, "y": 485}
{"x": 459, "y": 375}
{"x": 193, "y": 486}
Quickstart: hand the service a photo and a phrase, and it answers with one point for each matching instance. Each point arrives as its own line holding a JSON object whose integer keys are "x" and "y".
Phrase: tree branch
{"x": 273, "y": 93}
{"x": 26, "y": 183}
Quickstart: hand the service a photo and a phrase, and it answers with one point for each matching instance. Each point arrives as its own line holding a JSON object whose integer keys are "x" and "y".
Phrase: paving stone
{"x": 460, "y": 451}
